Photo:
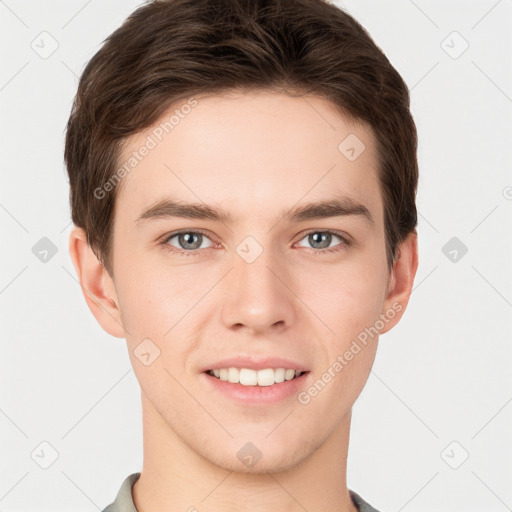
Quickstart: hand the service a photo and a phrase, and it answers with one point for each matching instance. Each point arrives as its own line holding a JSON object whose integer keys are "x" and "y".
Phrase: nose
{"x": 258, "y": 295}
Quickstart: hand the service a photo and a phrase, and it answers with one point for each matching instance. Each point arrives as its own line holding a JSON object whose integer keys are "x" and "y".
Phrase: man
{"x": 243, "y": 179}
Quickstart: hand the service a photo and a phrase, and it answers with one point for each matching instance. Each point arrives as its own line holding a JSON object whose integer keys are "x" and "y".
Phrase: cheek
{"x": 346, "y": 298}
{"x": 154, "y": 297}
{"x": 158, "y": 308}
{"x": 348, "y": 302}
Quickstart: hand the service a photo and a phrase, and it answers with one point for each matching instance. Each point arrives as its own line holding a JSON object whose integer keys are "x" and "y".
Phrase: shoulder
{"x": 124, "y": 499}
{"x": 361, "y": 504}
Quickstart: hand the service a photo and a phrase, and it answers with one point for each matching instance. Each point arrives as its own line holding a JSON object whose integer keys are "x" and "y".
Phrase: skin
{"x": 254, "y": 154}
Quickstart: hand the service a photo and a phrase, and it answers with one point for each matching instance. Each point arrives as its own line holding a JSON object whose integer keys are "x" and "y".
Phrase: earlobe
{"x": 401, "y": 281}
{"x": 95, "y": 283}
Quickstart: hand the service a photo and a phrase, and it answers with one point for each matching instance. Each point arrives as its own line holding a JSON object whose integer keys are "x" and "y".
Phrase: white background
{"x": 442, "y": 375}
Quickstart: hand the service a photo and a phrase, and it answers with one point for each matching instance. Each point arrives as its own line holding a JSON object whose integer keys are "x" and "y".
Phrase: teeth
{"x": 249, "y": 377}
{"x": 233, "y": 375}
{"x": 289, "y": 374}
{"x": 279, "y": 375}
{"x": 266, "y": 377}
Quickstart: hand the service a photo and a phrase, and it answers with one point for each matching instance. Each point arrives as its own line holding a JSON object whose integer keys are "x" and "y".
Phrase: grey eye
{"x": 188, "y": 240}
{"x": 321, "y": 239}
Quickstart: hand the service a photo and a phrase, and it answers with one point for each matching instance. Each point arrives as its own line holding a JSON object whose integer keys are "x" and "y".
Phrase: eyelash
{"x": 345, "y": 242}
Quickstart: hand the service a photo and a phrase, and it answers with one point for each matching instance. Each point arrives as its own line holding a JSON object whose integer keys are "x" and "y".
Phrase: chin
{"x": 260, "y": 456}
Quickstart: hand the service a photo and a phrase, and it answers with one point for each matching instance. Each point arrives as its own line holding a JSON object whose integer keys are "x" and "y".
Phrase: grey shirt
{"x": 124, "y": 500}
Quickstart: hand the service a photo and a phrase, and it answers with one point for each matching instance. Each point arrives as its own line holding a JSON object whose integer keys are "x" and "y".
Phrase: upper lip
{"x": 254, "y": 363}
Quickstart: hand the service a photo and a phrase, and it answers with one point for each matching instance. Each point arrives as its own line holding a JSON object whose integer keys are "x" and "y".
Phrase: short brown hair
{"x": 172, "y": 49}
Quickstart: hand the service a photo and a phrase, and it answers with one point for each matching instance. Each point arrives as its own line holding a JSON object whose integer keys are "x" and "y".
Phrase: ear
{"x": 97, "y": 285}
{"x": 400, "y": 281}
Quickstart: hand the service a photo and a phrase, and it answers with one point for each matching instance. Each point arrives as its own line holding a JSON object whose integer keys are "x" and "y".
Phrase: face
{"x": 255, "y": 276}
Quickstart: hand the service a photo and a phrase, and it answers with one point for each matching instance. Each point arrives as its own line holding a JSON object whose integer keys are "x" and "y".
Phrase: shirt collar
{"x": 124, "y": 499}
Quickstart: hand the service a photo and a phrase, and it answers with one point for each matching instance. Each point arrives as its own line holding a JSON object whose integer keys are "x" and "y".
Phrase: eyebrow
{"x": 336, "y": 207}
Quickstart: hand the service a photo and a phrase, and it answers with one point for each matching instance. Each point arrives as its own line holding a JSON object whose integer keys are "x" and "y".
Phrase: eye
{"x": 321, "y": 241}
{"x": 187, "y": 242}
{"x": 190, "y": 242}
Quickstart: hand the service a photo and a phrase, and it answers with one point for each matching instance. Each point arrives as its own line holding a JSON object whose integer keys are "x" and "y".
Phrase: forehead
{"x": 247, "y": 150}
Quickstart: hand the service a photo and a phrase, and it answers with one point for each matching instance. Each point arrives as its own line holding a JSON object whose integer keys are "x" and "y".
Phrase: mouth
{"x": 257, "y": 378}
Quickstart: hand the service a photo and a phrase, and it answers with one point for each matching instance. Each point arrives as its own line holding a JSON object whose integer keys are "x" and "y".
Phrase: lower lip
{"x": 257, "y": 395}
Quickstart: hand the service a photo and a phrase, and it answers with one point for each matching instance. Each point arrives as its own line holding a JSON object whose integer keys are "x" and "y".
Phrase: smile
{"x": 250, "y": 377}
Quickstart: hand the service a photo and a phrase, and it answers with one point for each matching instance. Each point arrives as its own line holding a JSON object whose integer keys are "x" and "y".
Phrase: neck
{"x": 175, "y": 477}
